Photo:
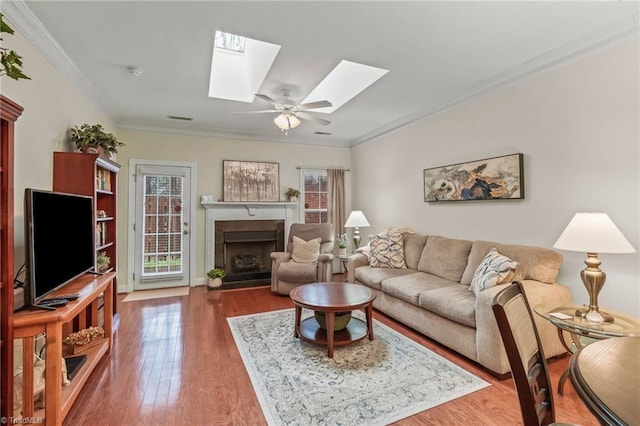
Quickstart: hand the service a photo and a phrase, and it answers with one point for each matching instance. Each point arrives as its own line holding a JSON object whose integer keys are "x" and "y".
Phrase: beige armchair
{"x": 286, "y": 274}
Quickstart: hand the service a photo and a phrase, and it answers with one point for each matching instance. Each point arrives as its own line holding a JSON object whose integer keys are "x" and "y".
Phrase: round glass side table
{"x": 565, "y": 318}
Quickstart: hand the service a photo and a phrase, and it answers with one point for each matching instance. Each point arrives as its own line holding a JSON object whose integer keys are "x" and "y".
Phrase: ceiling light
{"x": 286, "y": 121}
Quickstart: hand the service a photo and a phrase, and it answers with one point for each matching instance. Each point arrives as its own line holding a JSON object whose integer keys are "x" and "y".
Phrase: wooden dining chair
{"x": 526, "y": 356}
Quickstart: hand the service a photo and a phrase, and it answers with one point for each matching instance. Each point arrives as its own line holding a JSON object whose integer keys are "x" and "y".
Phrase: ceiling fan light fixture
{"x": 286, "y": 121}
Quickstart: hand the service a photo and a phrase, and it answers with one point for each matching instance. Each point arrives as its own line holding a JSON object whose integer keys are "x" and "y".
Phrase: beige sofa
{"x": 432, "y": 295}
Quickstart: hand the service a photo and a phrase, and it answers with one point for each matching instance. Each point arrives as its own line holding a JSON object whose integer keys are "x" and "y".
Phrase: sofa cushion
{"x": 295, "y": 272}
{"x": 305, "y": 251}
{"x": 493, "y": 270}
{"x": 455, "y": 302}
{"x": 534, "y": 263}
{"x": 409, "y": 287}
{"x": 373, "y": 277}
{"x": 413, "y": 246}
{"x": 387, "y": 251}
{"x": 445, "y": 257}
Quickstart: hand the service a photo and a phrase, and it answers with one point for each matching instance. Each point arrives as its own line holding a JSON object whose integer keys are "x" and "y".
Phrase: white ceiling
{"x": 438, "y": 54}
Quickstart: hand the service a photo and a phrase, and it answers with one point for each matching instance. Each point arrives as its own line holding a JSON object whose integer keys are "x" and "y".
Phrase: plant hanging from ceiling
{"x": 10, "y": 61}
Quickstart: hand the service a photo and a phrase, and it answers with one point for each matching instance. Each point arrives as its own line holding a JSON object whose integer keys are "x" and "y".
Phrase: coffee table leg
{"x": 331, "y": 322}
{"x": 296, "y": 328}
{"x": 369, "y": 313}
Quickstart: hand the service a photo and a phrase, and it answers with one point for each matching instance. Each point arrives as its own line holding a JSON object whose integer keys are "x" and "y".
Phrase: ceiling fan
{"x": 290, "y": 113}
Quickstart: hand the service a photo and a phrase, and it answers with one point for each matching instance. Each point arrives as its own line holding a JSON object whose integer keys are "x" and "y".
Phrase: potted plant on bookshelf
{"x": 292, "y": 195}
{"x": 93, "y": 139}
{"x": 102, "y": 261}
{"x": 214, "y": 277}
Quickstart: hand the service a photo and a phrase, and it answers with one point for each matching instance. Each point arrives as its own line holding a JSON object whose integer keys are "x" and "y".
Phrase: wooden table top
{"x": 334, "y": 296}
{"x": 606, "y": 376}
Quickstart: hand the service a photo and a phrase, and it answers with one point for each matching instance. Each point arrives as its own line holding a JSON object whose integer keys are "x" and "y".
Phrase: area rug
{"x": 157, "y": 294}
{"x": 366, "y": 383}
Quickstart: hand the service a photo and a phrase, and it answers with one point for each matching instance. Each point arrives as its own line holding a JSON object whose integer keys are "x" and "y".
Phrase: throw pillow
{"x": 493, "y": 270}
{"x": 387, "y": 251}
{"x": 305, "y": 251}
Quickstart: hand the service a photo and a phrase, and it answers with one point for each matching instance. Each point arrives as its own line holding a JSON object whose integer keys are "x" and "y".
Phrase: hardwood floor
{"x": 174, "y": 362}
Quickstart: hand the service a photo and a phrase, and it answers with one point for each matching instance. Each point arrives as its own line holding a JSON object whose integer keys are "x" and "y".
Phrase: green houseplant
{"x": 93, "y": 138}
{"x": 292, "y": 194}
{"x": 342, "y": 244}
{"x": 215, "y": 277}
{"x": 102, "y": 261}
{"x": 10, "y": 61}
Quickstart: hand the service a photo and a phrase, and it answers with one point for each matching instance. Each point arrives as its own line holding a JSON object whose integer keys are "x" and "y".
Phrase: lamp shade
{"x": 593, "y": 233}
{"x": 356, "y": 219}
{"x": 286, "y": 121}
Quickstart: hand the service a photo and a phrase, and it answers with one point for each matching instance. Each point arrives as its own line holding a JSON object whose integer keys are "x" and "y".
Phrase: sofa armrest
{"x": 491, "y": 352}
{"x": 325, "y": 267}
{"x": 355, "y": 261}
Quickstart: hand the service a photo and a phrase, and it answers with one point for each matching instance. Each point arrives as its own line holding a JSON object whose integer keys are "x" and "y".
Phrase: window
{"x": 315, "y": 196}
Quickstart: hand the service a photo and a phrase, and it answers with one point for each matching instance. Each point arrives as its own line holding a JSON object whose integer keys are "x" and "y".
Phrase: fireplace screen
{"x": 243, "y": 248}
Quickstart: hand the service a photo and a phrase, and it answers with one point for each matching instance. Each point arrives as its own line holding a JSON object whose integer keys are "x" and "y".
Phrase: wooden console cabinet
{"x": 56, "y": 325}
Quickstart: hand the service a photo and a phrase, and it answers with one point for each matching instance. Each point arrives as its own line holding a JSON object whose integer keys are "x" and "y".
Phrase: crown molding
{"x": 32, "y": 29}
{"x": 573, "y": 51}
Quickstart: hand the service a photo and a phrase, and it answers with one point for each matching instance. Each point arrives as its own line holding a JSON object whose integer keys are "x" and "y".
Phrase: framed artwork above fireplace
{"x": 251, "y": 181}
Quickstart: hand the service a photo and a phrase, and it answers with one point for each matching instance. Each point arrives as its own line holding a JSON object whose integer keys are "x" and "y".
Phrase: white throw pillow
{"x": 387, "y": 251}
{"x": 305, "y": 251}
{"x": 493, "y": 270}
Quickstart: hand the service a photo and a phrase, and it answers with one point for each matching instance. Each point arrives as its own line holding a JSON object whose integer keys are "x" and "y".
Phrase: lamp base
{"x": 594, "y": 316}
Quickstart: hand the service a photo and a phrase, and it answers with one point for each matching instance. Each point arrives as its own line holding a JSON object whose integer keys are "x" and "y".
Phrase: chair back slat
{"x": 526, "y": 356}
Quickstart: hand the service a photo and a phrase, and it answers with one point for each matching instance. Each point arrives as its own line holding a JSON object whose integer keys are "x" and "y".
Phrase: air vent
{"x": 177, "y": 117}
{"x": 323, "y": 133}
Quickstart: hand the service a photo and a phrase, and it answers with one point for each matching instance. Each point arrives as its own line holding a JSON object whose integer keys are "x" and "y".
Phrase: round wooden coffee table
{"x": 331, "y": 298}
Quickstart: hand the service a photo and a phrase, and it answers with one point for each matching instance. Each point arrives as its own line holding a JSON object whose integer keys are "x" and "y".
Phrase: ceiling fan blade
{"x": 266, "y": 98}
{"x": 309, "y": 117}
{"x": 314, "y": 105}
{"x": 256, "y": 112}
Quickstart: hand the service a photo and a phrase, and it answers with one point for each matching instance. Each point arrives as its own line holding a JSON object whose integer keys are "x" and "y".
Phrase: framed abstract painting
{"x": 496, "y": 178}
{"x": 251, "y": 181}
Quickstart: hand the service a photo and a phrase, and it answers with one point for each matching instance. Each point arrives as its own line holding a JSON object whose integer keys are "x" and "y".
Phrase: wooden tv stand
{"x": 56, "y": 325}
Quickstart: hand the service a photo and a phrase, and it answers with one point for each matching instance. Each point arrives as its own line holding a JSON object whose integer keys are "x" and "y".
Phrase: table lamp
{"x": 593, "y": 233}
{"x": 356, "y": 220}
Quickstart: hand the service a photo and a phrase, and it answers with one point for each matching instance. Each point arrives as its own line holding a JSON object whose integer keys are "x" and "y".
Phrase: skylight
{"x": 229, "y": 41}
{"x": 343, "y": 83}
{"x": 239, "y": 66}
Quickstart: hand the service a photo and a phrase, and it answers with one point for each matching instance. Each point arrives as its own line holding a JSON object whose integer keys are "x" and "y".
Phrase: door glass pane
{"x": 162, "y": 225}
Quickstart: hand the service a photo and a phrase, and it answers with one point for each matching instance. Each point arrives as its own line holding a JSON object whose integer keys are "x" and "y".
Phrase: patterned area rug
{"x": 368, "y": 382}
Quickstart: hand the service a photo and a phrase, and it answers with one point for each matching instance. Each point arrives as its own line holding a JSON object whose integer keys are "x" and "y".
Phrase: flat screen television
{"x": 59, "y": 233}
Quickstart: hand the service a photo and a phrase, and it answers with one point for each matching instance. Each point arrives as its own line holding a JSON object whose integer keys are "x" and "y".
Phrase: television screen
{"x": 60, "y": 232}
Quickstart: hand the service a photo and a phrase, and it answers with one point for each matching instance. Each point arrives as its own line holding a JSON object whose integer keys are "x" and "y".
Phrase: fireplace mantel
{"x": 242, "y": 210}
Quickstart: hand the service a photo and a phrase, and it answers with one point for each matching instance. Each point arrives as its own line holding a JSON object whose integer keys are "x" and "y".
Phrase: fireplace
{"x": 243, "y": 249}
{"x": 261, "y": 217}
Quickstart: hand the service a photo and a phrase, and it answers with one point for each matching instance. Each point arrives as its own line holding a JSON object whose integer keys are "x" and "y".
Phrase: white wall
{"x": 51, "y": 106}
{"x": 577, "y": 126}
{"x": 208, "y": 153}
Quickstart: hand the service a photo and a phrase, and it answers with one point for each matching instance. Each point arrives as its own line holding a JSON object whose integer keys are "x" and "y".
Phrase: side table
{"x": 577, "y": 327}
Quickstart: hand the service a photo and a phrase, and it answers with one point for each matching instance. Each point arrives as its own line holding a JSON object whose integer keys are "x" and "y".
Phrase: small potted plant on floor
{"x": 292, "y": 195}
{"x": 93, "y": 139}
{"x": 215, "y": 277}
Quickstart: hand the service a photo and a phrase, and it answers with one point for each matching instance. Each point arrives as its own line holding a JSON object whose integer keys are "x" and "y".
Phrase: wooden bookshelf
{"x": 9, "y": 113}
{"x": 96, "y": 176}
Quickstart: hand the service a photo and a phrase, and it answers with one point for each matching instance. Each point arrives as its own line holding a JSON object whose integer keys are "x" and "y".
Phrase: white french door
{"x": 162, "y": 228}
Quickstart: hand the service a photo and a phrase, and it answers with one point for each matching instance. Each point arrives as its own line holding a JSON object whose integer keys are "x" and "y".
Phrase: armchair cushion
{"x": 305, "y": 251}
{"x": 295, "y": 272}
